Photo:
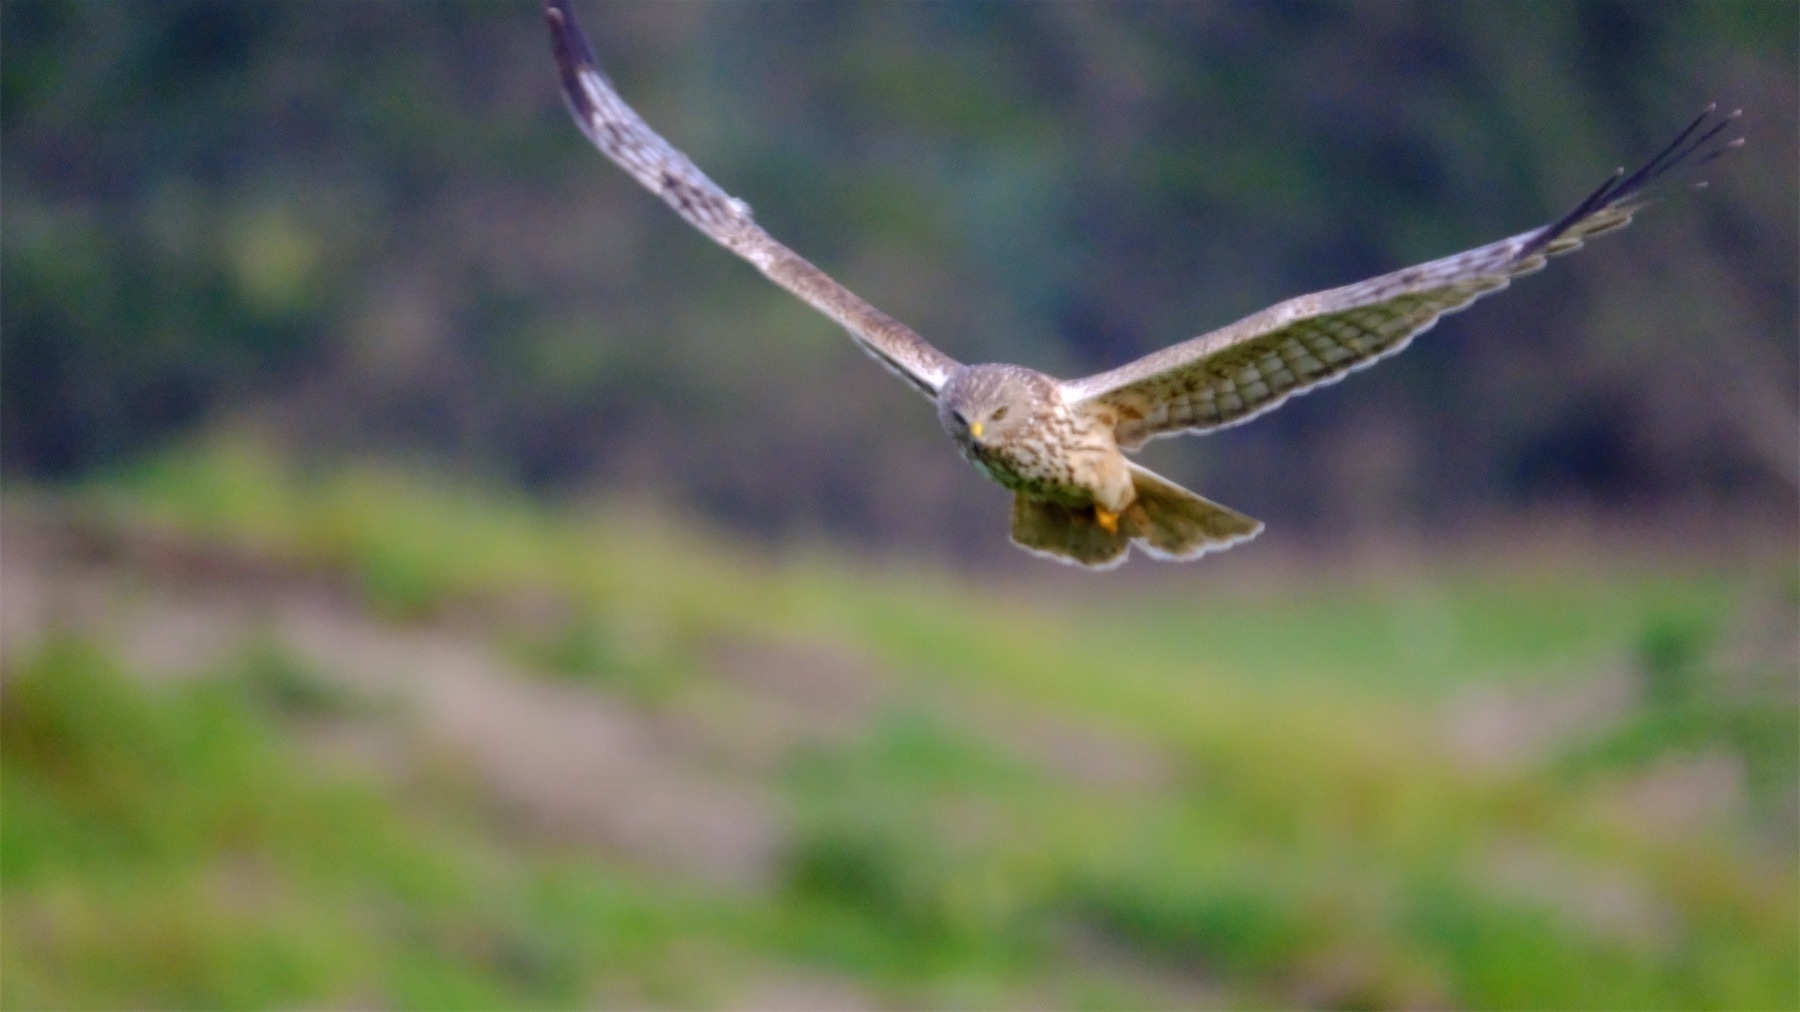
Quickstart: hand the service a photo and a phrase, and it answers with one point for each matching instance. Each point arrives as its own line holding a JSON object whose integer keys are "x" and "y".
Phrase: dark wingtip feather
{"x": 1619, "y": 187}
{"x": 573, "y": 55}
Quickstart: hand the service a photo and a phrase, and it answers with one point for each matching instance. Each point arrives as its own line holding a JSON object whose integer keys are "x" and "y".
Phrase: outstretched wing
{"x": 1236, "y": 373}
{"x": 623, "y": 136}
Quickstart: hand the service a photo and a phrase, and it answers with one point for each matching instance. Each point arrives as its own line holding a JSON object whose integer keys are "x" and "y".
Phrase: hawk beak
{"x": 975, "y": 430}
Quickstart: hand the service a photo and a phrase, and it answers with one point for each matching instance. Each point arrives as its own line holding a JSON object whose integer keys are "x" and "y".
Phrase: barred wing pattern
{"x": 623, "y": 136}
{"x": 1233, "y": 374}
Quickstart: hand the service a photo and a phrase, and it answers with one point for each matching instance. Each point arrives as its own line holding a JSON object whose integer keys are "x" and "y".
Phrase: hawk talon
{"x": 1107, "y": 519}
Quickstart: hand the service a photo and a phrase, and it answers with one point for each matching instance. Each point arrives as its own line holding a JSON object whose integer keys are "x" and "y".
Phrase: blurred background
{"x": 434, "y": 576}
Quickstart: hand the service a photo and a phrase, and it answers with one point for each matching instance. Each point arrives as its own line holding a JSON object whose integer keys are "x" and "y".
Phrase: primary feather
{"x": 1233, "y": 374}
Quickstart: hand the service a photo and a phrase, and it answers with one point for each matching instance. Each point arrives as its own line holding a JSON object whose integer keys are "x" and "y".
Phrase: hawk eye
{"x": 999, "y": 413}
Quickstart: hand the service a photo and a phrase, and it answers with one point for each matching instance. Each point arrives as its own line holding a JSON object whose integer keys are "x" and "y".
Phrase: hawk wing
{"x": 1238, "y": 372}
{"x": 623, "y": 136}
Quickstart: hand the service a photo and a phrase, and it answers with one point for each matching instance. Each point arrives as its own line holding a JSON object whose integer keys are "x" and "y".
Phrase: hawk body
{"x": 1013, "y": 423}
{"x": 1057, "y": 444}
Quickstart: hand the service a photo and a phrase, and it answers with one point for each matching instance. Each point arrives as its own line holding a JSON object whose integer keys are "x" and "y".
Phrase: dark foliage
{"x": 377, "y": 228}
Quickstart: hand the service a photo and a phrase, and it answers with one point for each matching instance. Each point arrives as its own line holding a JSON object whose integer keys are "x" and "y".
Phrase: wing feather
{"x": 623, "y": 136}
{"x": 1233, "y": 374}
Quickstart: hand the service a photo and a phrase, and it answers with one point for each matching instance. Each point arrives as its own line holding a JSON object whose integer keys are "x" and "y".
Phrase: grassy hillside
{"x": 364, "y": 737}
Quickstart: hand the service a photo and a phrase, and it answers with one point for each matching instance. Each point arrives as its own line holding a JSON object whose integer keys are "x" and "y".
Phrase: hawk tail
{"x": 1164, "y": 519}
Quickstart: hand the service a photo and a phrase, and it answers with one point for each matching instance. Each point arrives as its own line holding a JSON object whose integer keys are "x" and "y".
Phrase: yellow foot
{"x": 1107, "y": 519}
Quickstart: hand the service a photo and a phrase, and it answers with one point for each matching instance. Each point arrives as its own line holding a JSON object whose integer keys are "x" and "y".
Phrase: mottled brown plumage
{"x": 1057, "y": 444}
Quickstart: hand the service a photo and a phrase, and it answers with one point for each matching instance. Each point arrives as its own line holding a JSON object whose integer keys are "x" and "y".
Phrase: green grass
{"x": 174, "y": 849}
{"x": 1302, "y": 835}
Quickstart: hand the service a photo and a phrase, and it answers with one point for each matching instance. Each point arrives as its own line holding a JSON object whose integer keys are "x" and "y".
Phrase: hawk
{"x": 1060, "y": 445}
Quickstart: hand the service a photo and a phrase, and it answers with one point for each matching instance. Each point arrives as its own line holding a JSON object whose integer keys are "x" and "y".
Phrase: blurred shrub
{"x": 274, "y": 681}
{"x": 1669, "y": 657}
{"x": 912, "y": 832}
{"x": 1692, "y": 704}
{"x": 637, "y": 655}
